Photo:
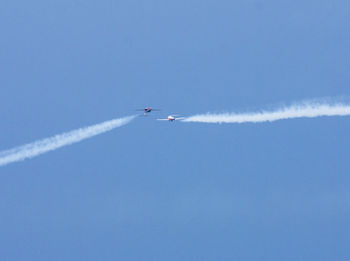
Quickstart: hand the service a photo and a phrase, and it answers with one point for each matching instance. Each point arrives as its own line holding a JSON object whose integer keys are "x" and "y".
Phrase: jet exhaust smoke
{"x": 42, "y": 146}
{"x": 307, "y": 110}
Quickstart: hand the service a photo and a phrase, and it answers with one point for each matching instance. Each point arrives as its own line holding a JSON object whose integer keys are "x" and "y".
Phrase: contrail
{"x": 42, "y": 146}
{"x": 307, "y": 110}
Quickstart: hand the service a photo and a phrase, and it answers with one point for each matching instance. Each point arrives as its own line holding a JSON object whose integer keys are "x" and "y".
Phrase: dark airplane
{"x": 147, "y": 110}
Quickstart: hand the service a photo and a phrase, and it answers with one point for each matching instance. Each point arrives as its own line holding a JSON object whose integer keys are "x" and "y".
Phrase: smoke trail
{"x": 42, "y": 146}
{"x": 308, "y": 110}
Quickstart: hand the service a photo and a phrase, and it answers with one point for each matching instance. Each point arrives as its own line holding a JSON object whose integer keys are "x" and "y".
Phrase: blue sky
{"x": 157, "y": 191}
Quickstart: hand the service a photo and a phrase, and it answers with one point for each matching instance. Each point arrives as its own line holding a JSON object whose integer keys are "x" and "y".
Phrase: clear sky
{"x": 182, "y": 191}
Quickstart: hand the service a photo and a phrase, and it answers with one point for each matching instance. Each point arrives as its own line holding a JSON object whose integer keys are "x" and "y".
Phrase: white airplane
{"x": 172, "y": 118}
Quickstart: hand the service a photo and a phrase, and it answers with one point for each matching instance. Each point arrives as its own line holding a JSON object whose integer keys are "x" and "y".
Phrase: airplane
{"x": 147, "y": 110}
{"x": 172, "y": 118}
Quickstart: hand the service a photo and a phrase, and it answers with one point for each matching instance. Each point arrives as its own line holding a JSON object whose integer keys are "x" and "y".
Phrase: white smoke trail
{"x": 307, "y": 110}
{"x": 42, "y": 146}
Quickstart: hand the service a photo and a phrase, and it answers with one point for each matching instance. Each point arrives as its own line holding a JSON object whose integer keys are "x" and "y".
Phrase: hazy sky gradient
{"x": 158, "y": 191}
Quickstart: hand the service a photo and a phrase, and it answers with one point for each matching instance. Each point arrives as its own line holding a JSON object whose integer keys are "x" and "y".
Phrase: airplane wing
{"x": 180, "y": 118}
{"x": 162, "y": 119}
